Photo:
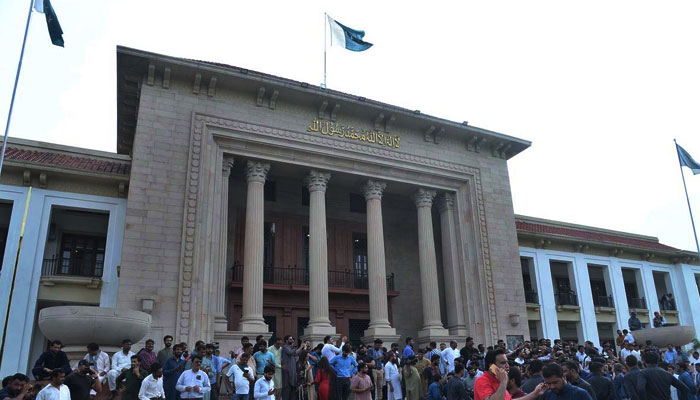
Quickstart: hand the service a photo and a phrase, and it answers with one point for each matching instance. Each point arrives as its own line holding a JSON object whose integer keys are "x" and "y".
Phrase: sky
{"x": 601, "y": 88}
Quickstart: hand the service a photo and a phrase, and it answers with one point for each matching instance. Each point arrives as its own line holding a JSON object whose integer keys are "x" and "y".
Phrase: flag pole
{"x": 325, "y": 30}
{"x": 692, "y": 221}
{"x": 14, "y": 89}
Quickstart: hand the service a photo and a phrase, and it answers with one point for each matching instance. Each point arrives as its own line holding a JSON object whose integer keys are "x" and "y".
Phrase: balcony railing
{"x": 57, "y": 266}
{"x": 634, "y": 302}
{"x": 566, "y": 299}
{"x": 603, "y": 301}
{"x": 293, "y": 275}
{"x": 531, "y": 298}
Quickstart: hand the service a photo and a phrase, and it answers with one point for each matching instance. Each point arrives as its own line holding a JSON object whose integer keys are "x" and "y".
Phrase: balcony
{"x": 603, "y": 301}
{"x": 76, "y": 267}
{"x": 667, "y": 303}
{"x": 531, "y": 298}
{"x": 297, "y": 276}
{"x": 566, "y": 298}
{"x": 636, "y": 303}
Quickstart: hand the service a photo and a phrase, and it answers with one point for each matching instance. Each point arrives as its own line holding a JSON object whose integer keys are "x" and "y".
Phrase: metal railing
{"x": 531, "y": 298}
{"x": 603, "y": 301}
{"x": 58, "y": 266}
{"x": 634, "y": 302}
{"x": 293, "y": 275}
{"x": 566, "y": 299}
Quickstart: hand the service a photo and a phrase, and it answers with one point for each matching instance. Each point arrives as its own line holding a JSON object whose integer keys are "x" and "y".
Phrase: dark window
{"x": 358, "y": 203}
{"x": 305, "y": 247}
{"x": 305, "y": 197}
{"x": 301, "y": 324}
{"x": 81, "y": 255}
{"x": 271, "y": 322}
{"x": 269, "y": 245}
{"x": 359, "y": 257}
{"x": 563, "y": 285}
{"x": 3, "y": 242}
{"x": 270, "y": 191}
{"x": 357, "y": 328}
{"x": 598, "y": 288}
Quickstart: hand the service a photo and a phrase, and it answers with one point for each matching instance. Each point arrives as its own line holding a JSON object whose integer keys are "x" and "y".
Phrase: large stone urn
{"x": 675, "y": 335}
{"x": 76, "y": 326}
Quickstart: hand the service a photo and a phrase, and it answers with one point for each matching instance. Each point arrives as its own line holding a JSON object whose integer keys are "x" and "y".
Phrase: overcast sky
{"x": 601, "y": 88}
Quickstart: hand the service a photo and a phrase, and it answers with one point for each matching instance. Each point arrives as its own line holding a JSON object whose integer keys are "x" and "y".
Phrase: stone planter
{"x": 76, "y": 326}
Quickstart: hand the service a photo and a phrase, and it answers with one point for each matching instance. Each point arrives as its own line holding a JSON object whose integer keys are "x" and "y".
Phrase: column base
{"x": 220, "y": 323}
{"x": 253, "y": 326}
{"x": 428, "y": 335}
{"x": 386, "y": 334}
{"x": 458, "y": 333}
{"x": 316, "y": 333}
{"x": 231, "y": 340}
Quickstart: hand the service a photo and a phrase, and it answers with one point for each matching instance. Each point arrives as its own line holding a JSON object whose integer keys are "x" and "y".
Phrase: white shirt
{"x": 448, "y": 356}
{"x": 519, "y": 361}
{"x": 121, "y": 360}
{"x": 192, "y": 379}
{"x": 624, "y": 353}
{"x": 629, "y": 338}
{"x": 50, "y": 392}
{"x": 151, "y": 388}
{"x": 693, "y": 360}
{"x": 235, "y": 374}
{"x": 101, "y": 361}
{"x": 637, "y": 354}
{"x": 391, "y": 374}
{"x": 329, "y": 351}
{"x": 262, "y": 386}
{"x": 581, "y": 357}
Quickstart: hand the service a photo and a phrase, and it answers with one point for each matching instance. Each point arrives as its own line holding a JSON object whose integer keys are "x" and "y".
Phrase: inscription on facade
{"x": 340, "y": 131}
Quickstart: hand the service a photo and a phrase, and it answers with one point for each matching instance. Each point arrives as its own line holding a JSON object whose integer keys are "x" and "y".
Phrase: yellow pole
{"x": 14, "y": 274}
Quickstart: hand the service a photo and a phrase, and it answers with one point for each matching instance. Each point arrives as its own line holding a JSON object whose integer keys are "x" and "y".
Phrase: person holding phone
{"x": 193, "y": 383}
{"x": 493, "y": 384}
{"x": 242, "y": 376}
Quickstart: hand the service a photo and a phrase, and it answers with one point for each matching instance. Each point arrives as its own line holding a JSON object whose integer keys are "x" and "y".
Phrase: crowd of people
{"x": 296, "y": 370}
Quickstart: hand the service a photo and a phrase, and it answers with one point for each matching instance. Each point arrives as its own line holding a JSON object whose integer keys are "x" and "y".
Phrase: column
{"x": 430, "y": 294}
{"x": 220, "y": 320}
{"x": 450, "y": 268}
{"x": 252, "y": 319}
{"x": 379, "y": 327}
{"x": 319, "y": 324}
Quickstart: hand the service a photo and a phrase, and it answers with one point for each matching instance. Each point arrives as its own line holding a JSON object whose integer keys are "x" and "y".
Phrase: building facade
{"x": 263, "y": 204}
{"x": 581, "y": 282}
{"x": 240, "y": 203}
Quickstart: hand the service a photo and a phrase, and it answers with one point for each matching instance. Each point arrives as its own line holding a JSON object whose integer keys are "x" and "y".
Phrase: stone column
{"x": 220, "y": 320}
{"x": 430, "y": 294}
{"x": 319, "y": 323}
{"x": 379, "y": 327}
{"x": 252, "y": 319}
{"x": 450, "y": 267}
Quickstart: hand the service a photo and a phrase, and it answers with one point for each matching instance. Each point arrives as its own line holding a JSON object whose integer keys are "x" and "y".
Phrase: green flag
{"x": 55, "y": 31}
{"x": 687, "y": 161}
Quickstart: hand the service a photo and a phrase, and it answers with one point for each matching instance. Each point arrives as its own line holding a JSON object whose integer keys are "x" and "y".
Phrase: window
{"x": 301, "y": 325}
{"x": 359, "y": 257}
{"x": 358, "y": 203}
{"x": 357, "y": 328}
{"x": 3, "y": 242}
{"x": 271, "y": 322}
{"x": 305, "y": 196}
{"x": 305, "y": 247}
{"x": 82, "y": 255}
{"x": 269, "y": 245}
{"x": 270, "y": 191}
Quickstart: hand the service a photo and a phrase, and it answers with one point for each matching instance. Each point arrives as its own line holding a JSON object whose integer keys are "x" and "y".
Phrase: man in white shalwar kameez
{"x": 393, "y": 379}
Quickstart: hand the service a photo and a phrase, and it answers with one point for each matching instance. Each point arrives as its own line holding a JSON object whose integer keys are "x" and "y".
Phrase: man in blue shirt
{"x": 670, "y": 354}
{"x": 558, "y": 387}
{"x": 408, "y": 350}
{"x": 345, "y": 367}
{"x": 173, "y": 368}
{"x": 263, "y": 358}
{"x": 685, "y": 377}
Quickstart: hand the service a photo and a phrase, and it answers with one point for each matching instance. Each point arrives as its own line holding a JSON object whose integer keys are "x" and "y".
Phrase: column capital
{"x": 446, "y": 202}
{"x": 226, "y": 165}
{"x": 374, "y": 189}
{"x": 317, "y": 181}
{"x": 424, "y": 197}
{"x": 256, "y": 171}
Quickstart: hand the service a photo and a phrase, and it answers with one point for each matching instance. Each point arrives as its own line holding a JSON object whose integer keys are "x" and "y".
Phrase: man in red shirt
{"x": 493, "y": 383}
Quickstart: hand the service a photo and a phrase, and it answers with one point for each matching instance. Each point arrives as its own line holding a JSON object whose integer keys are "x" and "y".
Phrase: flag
{"x": 687, "y": 161}
{"x": 348, "y": 38}
{"x": 55, "y": 31}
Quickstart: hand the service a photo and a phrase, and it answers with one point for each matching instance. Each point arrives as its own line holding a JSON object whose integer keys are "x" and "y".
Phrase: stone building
{"x": 261, "y": 204}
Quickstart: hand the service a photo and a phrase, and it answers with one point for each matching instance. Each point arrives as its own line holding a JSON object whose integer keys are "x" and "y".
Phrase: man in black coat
{"x": 655, "y": 383}
{"x": 571, "y": 371}
{"x": 632, "y": 377}
{"x": 455, "y": 387}
{"x": 602, "y": 386}
{"x": 50, "y": 360}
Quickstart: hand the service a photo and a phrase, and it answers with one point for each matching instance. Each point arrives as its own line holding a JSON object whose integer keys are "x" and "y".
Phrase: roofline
{"x": 313, "y": 89}
{"x": 562, "y": 224}
{"x": 78, "y": 151}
